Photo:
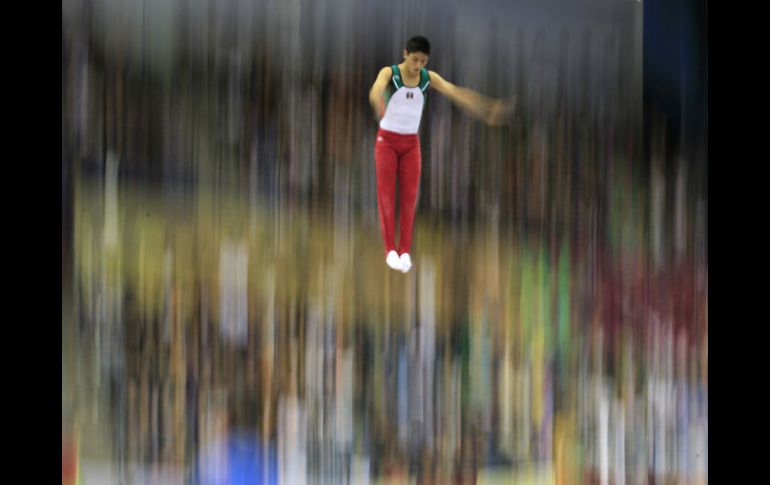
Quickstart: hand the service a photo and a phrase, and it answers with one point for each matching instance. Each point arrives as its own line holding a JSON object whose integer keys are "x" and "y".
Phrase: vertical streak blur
{"x": 227, "y": 313}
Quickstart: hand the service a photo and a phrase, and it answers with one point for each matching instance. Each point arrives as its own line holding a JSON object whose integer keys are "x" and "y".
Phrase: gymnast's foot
{"x": 406, "y": 262}
{"x": 393, "y": 261}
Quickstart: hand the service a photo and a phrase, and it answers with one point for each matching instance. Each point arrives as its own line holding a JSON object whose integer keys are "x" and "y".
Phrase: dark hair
{"x": 418, "y": 44}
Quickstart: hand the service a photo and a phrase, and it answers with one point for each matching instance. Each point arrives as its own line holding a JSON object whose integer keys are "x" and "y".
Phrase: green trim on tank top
{"x": 395, "y": 77}
{"x": 424, "y": 80}
{"x": 399, "y": 82}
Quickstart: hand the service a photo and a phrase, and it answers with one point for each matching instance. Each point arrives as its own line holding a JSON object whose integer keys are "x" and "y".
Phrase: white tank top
{"x": 404, "y": 104}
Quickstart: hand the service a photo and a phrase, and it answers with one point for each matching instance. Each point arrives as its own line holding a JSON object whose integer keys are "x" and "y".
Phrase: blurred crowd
{"x": 226, "y": 311}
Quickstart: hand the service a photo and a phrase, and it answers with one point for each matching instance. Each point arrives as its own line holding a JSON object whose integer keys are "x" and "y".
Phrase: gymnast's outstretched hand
{"x": 501, "y": 112}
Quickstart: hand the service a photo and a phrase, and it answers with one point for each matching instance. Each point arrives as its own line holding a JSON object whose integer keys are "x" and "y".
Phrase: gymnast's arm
{"x": 376, "y": 93}
{"x": 491, "y": 111}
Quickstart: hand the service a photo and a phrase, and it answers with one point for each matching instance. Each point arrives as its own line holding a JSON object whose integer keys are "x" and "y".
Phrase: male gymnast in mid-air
{"x": 398, "y": 97}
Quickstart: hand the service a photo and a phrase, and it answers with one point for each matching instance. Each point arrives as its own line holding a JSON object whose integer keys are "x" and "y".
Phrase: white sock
{"x": 406, "y": 262}
{"x": 393, "y": 261}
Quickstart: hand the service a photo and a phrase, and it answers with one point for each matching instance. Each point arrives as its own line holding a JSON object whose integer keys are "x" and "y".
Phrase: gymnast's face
{"x": 415, "y": 61}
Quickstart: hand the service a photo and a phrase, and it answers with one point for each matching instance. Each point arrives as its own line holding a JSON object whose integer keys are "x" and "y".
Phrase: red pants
{"x": 397, "y": 155}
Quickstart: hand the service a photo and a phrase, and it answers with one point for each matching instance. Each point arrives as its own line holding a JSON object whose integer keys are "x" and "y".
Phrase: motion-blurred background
{"x": 227, "y": 314}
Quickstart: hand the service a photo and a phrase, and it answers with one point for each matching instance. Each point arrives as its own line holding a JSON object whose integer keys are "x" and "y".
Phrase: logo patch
{"x": 409, "y": 95}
